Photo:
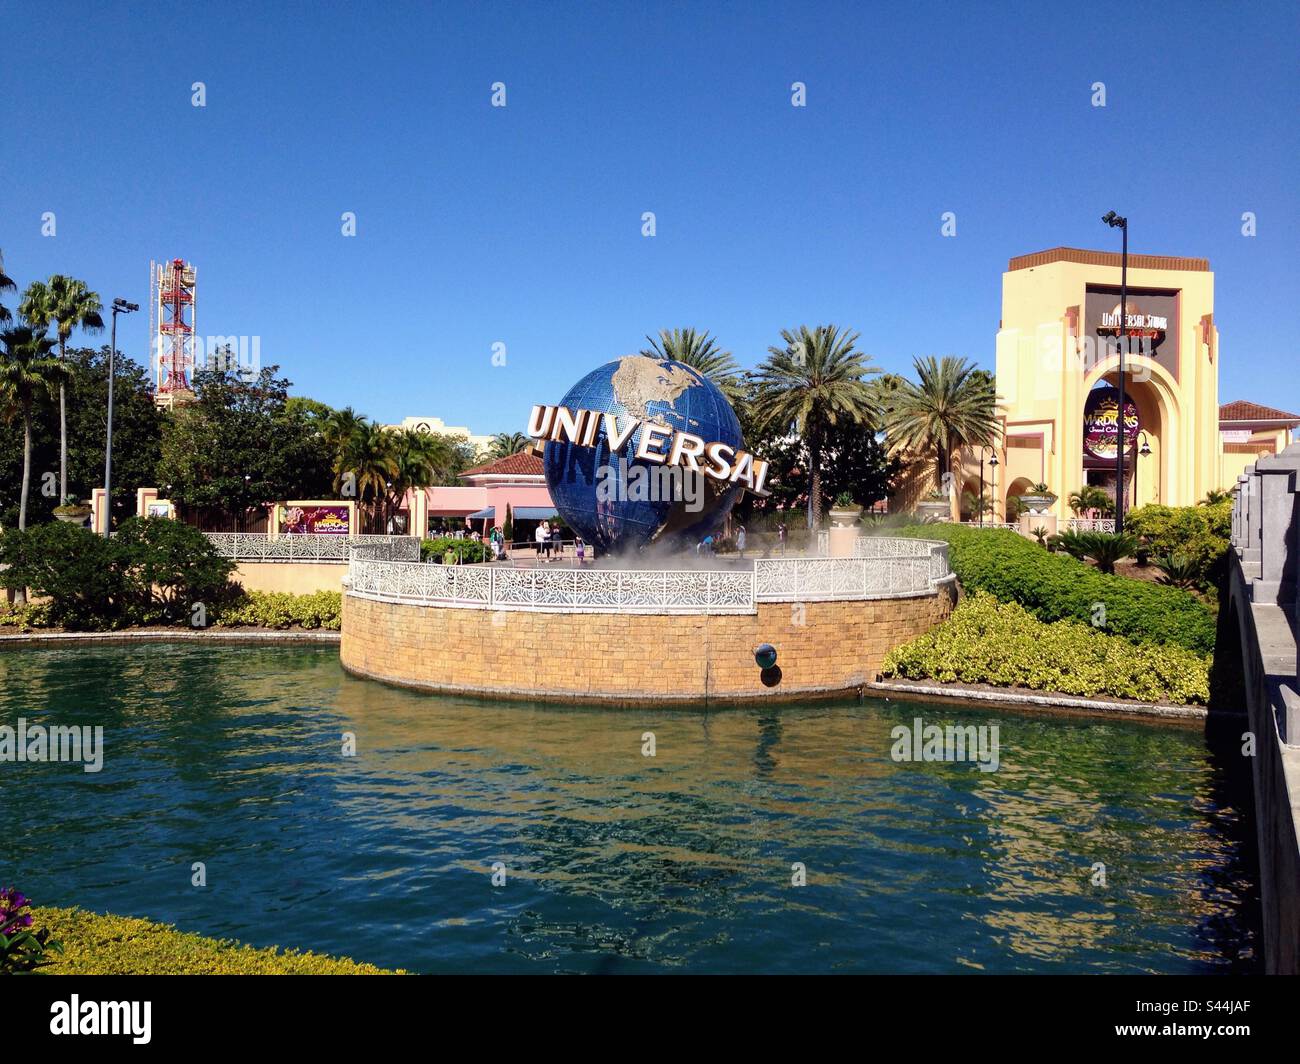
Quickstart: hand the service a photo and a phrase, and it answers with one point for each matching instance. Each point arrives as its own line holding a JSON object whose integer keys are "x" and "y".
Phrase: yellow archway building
{"x": 1057, "y": 353}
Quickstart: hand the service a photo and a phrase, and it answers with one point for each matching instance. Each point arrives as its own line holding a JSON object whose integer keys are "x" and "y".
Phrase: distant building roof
{"x": 520, "y": 464}
{"x": 1243, "y": 410}
{"x": 1106, "y": 258}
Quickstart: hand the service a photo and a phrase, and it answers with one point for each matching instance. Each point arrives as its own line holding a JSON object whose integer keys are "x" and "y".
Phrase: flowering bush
{"x": 22, "y": 950}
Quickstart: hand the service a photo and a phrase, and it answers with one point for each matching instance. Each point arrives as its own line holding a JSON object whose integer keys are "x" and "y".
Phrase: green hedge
{"x": 123, "y": 945}
{"x": 1055, "y": 587}
{"x": 281, "y": 609}
{"x": 1198, "y": 533}
{"x": 467, "y": 550}
{"x": 1003, "y": 644}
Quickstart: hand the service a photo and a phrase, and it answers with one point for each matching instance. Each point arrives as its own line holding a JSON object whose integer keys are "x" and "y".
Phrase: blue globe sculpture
{"x": 600, "y": 495}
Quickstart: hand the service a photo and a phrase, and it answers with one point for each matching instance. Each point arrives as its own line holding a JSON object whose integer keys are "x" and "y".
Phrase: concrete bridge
{"x": 1263, "y": 611}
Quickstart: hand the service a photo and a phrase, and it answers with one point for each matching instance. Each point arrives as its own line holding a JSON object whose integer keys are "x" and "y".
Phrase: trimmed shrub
{"x": 123, "y": 945}
{"x": 1199, "y": 534}
{"x": 1003, "y": 644}
{"x": 466, "y": 550}
{"x": 281, "y": 609}
{"x": 1056, "y": 587}
{"x": 149, "y": 573}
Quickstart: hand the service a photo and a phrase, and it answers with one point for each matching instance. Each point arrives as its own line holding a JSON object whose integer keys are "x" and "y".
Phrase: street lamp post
{"x": 1116, "y": 222}
{"x": 120, "y": 306}
{"x": 993, "y": 465}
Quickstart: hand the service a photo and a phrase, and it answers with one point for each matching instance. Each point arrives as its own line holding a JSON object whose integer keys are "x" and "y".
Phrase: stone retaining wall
{"x": 823, "y": 648}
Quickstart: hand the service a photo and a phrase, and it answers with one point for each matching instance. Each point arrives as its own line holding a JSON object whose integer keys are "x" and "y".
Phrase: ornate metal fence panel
{"x": 1092, "y": 524}
{"x": 258, "y": 547}
{"x": 894, "y": 567}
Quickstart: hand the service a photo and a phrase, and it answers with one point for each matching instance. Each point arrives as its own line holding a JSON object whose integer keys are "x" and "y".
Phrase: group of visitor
{"x": 549, "y": 542}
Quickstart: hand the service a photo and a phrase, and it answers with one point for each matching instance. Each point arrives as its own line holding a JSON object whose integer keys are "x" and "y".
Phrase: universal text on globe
{"x": 659, "y": 443}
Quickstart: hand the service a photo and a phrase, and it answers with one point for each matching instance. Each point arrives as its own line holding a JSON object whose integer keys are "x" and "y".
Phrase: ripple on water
{"x": 615, "y": 861}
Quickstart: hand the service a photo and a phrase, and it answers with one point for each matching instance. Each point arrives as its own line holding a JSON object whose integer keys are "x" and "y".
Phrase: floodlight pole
{"x": 120, "y": 306}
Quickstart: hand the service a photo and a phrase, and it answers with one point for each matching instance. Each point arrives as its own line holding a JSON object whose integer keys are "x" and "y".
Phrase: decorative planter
{"x": 846, "y": 517}
{"x": 934, "y": 511}
{"x": 73, "y": 519}
{"x": 1037, "y": 504}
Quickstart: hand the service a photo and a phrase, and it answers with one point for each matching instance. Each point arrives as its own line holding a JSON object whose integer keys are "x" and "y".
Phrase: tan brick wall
{"x": 631, "y": 657}
{"x": 299, "y": 578}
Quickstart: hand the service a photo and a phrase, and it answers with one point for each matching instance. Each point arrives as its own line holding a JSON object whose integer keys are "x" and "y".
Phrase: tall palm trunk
{"x": 27, "y": 466}
{"x": 20, "y": 593}
{"x": 63, "y": 429}
{"x": 815, "y": 476}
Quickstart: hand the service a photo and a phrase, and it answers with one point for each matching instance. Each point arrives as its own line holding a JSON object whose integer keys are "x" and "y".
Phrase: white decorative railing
{"x": 894, "y": 568}
{"x": 258, "y": 547}
{"x": 1091, "y": 524}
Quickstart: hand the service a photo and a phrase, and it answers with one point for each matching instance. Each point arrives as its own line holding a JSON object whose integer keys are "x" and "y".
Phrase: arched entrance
{"x": 1150, "y": 429}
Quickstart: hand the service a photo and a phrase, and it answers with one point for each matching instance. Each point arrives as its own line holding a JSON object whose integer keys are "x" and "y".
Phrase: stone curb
{"x": 958, "y": 693}
{"x": 171, "y": 635}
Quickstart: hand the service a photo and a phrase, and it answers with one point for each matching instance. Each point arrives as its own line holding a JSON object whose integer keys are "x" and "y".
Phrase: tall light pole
{"x": 993, "y": 464}
{"x": 1116, "y": 222}
{"x": 120, "y": 306}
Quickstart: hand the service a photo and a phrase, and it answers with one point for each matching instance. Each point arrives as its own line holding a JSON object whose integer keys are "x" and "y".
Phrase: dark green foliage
{"x": 151, "y": 572}
{"x": 1199, "y": 533}
{"x": 1055, "y": 587}
{"x": 1104, "y": 548}
{"x": 464, "y": 551}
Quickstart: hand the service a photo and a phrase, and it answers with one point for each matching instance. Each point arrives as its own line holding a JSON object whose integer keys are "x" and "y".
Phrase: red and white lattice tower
{"x": 171, "y": 330}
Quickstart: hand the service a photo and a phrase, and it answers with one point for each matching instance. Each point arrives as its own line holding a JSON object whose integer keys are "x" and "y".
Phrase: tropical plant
{"x": 504, "y": 444}
{"x": 1214, "y": 497}
{"x": 951, "y": 405}
{"x": 6, "y": 285}
{"x": 26, "y": 372}
{"x": 68, "y": 304}
{"x": 420, "y": 459}
{"x": 844, "y": 500}
{"x": 340, "y": 432}
{"x": 1178, "y": 570}
{"x": 701, "y": 352}
{"x": 973, "y": 502}
{"x": 1091, "y": 497}
{"x": 1040, "y": 534}
{"x": 813, "y": 383}
{"x": 1103, "y": 548}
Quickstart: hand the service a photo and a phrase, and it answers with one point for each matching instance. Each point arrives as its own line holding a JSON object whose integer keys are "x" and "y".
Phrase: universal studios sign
{"x": 658, "y": 444}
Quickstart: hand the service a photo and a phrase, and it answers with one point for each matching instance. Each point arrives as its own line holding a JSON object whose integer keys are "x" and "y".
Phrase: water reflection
{"x": 616, "y": 861}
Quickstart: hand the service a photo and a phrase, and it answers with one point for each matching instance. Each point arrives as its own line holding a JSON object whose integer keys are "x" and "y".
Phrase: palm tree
{"x": 813, "y": 382}
{"x": 26, "y": 370}
{"x": 701, "y": 352}
{"x": 340, "y": 430}
{"x": 1091, "y": 497}
{"x": 371, "y": 458}
{"x": 68, "y": 304}
{"x": 421, "y": 459}
{"x": 950, "y": 406}
{"x": 6, "y": 285}
{"x": 504, "y": 444}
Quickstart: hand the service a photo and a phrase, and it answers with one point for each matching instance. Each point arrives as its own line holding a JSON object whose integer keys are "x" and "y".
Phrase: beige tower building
{"x": 1057, "y": 367}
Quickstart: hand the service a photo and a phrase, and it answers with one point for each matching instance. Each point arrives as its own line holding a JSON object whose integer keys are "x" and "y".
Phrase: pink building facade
{"x": 516, "y": 481}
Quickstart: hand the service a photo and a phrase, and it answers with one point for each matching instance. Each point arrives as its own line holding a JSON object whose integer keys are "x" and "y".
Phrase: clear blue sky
{"x": 523, "y": 225}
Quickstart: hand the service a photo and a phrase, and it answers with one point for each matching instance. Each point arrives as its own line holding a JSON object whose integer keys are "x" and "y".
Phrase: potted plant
{"x": 73, "y": 513}
{"x": 844, "y": 511}
{"x": 937, "y": 506}
{"x": 1037, "y": 499}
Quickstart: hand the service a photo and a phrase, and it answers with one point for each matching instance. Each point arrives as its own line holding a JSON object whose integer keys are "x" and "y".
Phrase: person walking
{"x": 557, "y": 541}
{"x": 740, "y": 540}
{"x": 543, "y": 537}
{"x": 780, "y": 535}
